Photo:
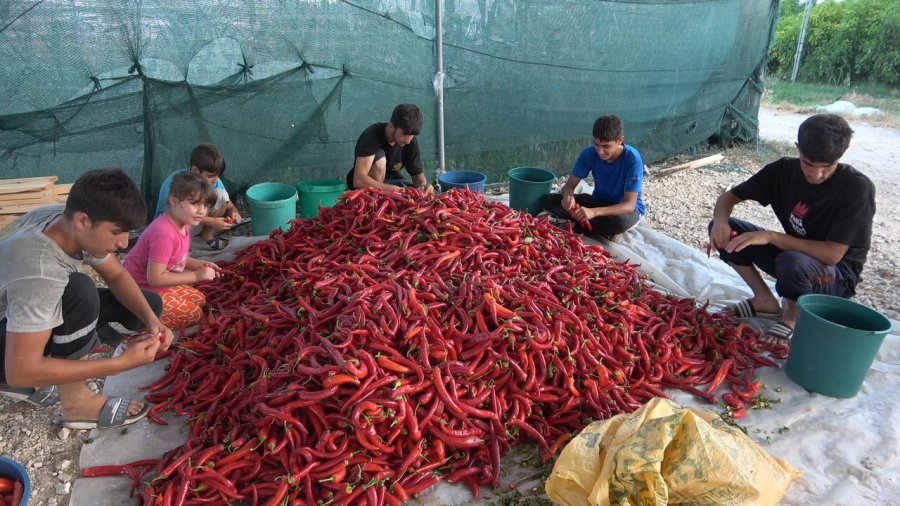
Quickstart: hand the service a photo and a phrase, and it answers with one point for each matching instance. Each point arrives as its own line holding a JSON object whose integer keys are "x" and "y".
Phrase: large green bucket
{"x": 527, "y": 188}
{"x": 834, "y": 344}
{"x": 272, "y": 205}
{"x": 319, "y": 192}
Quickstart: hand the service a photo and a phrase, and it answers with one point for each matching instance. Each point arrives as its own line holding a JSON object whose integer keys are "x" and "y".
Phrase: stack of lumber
{"x": 18, "y": 196}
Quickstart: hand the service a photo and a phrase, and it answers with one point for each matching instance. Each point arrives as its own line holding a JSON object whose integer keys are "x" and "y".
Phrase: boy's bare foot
{"x": 89, "y": 408}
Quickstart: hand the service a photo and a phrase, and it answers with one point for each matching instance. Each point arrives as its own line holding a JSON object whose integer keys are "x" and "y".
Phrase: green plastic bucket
{"x": 834, "y": 344}
{"x": 272, "y": 205}
{"x": 527, "y": 188}
{"x": 319, "y": 192}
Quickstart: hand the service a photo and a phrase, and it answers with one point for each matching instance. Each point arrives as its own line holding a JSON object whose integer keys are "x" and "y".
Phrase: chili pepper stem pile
{"x": 400, "y": 339}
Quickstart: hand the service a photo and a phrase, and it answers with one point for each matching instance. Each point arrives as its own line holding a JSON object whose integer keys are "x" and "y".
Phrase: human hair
{"x": 207, "y": 158}
{"x": 107, "y": 195}
{"x": 608, "y": 128}
{"x": 194, "y": 187}
{"x": 824, "y": 137}
{"x": 407, "y": 117}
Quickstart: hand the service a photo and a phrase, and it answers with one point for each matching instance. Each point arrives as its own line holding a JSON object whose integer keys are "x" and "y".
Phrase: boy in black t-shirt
{"x": 826, "y": 209}
{"x": 383, "y": 149}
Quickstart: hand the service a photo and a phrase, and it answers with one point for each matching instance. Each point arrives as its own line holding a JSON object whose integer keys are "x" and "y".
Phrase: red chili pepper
{"x": 18, "y": 493}
{"x": 585, "y": 224}
{"x": 481, "y": 320}
{"x": 717, "y": 380}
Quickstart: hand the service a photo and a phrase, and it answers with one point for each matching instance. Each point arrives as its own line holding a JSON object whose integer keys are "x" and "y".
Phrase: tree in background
{"x": 849, "y": 41}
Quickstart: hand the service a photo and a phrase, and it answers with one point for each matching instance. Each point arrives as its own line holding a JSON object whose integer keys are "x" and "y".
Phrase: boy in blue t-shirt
{"x": 618, "y": 169}
{"x": 207, "y": 161}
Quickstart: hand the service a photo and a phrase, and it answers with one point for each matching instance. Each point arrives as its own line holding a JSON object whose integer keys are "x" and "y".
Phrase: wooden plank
{"x": 695, "y": 164}
{"x": 29, "y": 197}
{"x": 62, "y": 189}
{"x": 7, "y": 188}
{"x": 26, "y": 180}
{"x": 20, "y": 209}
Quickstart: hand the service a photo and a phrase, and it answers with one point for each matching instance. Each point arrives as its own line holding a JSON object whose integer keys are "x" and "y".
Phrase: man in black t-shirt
{"x": 826, "y": 209}
{"x": 384, "y": 149}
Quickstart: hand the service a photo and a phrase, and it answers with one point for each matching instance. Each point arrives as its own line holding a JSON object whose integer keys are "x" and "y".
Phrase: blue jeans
{"x": 795, "y": 273}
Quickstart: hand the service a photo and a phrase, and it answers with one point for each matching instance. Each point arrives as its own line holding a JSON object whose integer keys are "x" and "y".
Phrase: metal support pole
{"x": 439, "y": 85}
{"x": 803, "y": 27}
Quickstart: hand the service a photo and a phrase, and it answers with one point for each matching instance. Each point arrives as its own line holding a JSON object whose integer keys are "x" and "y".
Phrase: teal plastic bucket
{"x": 462, "y": 179}
{"x": 319, "y": 192}
{"x": 834, "y": 344}
{"x": 11, "y": 469}
{"x": 272, "y": 205}
{"x": 527, "y": 188}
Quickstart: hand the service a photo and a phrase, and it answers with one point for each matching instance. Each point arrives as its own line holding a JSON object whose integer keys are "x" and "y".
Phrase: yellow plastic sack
{"x": 664, "y": 454}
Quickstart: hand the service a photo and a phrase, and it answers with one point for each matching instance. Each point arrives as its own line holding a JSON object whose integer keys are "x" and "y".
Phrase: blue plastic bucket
{"x": 462, "y": 179}
{"x": 272, "y": 205}
{"x": 834, "y": 344}
{"x": 319, "y": 192}
{"x": 527, "y": 188}
{"x": 11, "y": 469}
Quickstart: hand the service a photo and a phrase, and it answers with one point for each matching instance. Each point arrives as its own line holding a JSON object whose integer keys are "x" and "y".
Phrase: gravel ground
{"x": 680, "y": 205}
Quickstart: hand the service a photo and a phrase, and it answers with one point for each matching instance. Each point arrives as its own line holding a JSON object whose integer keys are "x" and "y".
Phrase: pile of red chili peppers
{"x": 399, "y": 339}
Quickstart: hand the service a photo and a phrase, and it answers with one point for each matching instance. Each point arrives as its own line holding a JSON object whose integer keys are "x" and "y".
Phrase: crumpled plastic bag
{"x": 665, "y": 454}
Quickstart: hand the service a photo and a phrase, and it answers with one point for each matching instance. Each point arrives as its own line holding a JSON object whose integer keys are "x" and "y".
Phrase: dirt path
{"x": 873, "y": 150}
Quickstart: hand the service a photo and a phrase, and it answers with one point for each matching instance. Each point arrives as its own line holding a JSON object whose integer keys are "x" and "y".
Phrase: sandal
{"x": 113, "y": 414}
{"x": 42, "y": 397}
{"x": 218, "y": 243}
{"x": 778, "y": 334}
{"x": 746, "y": 309}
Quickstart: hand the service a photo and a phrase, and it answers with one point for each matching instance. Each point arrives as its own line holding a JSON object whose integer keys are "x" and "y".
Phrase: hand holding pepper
{"x": 581, "y": 215}
{"x": 716, "y": 237}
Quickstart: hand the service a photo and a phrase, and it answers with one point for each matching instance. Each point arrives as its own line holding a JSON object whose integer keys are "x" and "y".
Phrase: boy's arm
{"x": 421, "y": 183}
{"x": 26, "y": 365}
{"x": 361, "y": 178}
{"x": 216, "y": 223}
{"x": 827, "y": 252}
{"x": 625, "y": 207}
{"x": 127, "y": 291}
{"x": 720, "y": 233}
{"x": 568, "y": 192}
{"x": 231, "y": 211}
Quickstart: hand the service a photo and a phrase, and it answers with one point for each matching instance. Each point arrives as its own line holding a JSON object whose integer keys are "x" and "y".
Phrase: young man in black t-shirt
{"x": 384, "y": 149}
{"x": 826, "y": 209}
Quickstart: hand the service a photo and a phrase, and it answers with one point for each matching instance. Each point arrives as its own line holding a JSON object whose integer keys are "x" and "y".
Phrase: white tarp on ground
{"x": 846, "y": 448}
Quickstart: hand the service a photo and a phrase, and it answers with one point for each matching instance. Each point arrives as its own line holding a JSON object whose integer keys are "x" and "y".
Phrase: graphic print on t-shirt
{"x": 797, "y": 215}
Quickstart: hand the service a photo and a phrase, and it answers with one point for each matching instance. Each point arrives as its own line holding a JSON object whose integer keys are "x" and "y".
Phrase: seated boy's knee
{"x": 551, "y": 200}
{"x": 791, "y": 262}
{"x": 81, "y": 294}
{"x": 155, "y": 301}
{"x": 222, "y": 199}
{"x": 795, "y": 273}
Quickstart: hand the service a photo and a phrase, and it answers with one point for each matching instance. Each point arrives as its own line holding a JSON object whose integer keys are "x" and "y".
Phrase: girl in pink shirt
{"x": 160, "y": 262}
